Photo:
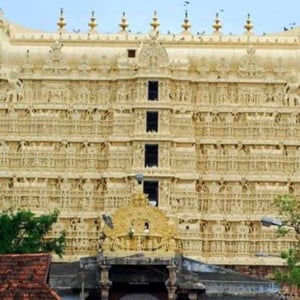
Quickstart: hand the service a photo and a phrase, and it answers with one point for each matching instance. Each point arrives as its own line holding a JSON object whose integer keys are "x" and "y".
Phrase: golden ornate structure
{"x": 140, "y": 228}
{"x": 212, "y": 121}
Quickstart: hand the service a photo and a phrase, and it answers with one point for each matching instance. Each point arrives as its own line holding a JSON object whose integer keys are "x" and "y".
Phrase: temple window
{"x": 151, "y": 155}
{"x": 131, "y": 53}
{"x": 152, "y": 121}
{"x": 153, "y": 90}
{"x": 151, "y": 189}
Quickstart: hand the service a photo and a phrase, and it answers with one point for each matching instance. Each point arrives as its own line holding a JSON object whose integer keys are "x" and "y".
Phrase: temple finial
{"x": 155, "y": 23}
{"x": 186, "y": 23}
{"x": 248, "y": 26}
{"x": 61, "y": 21}
{"x": 123, "y": 25}
{"x": 217, "y": 24}
{"x": 92, "y": 24}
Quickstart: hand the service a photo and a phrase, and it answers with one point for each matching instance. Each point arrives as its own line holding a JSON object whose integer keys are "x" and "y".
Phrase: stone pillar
{"x": 171, "y": 283}
{"x": 104, "y": 283}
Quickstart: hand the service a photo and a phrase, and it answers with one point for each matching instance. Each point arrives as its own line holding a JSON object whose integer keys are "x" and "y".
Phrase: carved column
{"x": 171, "y": 282}
{"x": 104, "y": 283}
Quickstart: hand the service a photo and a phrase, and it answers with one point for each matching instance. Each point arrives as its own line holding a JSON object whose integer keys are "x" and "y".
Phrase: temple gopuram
{"x": 210, "y": 121}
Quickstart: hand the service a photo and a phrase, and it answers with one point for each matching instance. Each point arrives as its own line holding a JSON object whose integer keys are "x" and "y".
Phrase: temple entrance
{"x": 150, "y": 292}
{"x": 138, "y": 297}
{"x": 138, "y": 282}
{"x": 138, "y": 253}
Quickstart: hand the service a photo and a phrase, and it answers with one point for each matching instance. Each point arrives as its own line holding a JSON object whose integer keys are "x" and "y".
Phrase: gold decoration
{"x": 186, "y": 23}
{"x": 139, "y": 227}
{"x": 155, "y": 23}
{"x": 61, "y": 22}
{"x": 248, "y": 26}
{"x": 92, "y": 24}
{"x": 123, "y": 23}
{"x": 217, "y": 25}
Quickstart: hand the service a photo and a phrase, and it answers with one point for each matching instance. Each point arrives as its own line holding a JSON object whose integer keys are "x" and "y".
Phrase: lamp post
{"x": 289, "y": 288}
{"x": 139, "y": 177}
{"x": 268, "y": 221}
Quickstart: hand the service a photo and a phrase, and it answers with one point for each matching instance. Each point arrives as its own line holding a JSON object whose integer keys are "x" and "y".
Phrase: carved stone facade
{"x": 74, "y": 124}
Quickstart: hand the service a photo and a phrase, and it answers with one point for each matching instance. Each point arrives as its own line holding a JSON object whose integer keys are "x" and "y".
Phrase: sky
{"x": 268, "y": 16}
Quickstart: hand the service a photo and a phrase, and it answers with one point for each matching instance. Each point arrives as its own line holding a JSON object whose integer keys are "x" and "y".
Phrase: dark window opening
{"x": 151, "y": 155}
{"x": 152, "y": 90}
{"x": 131, "y": 53}
{"x": 151, "y": 189}
{"x": 146, "y": 227}
{"x": 152, "y": 121}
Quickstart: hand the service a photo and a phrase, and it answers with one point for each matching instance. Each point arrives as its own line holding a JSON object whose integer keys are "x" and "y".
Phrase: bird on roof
{"x": 107, "y": 220}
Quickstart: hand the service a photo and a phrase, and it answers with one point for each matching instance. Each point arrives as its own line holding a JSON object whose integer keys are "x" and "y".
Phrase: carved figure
{"x": 292, "y": 92}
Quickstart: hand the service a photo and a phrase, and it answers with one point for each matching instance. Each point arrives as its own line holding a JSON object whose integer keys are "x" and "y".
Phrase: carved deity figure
{"x": 4, "y": 150}
{"x": 55, "y": 62}
{"x": 139, "y": 154}
{"x": 164, "y": 191}
{"x": 15, "y": 90}
{"x": 292, "y": 91}
{"x": 165, "y": 155}
{"x": 222, "y": 68}
{"x": 165, "y": 120}
{"x": 140, "y": 121}
{"x": 88, "y": 191}
{"x": 251, "y": 66}
{"x": 84, "y": 65}
{"x": 153, "y": 54}
{"x": 65, "y": 187}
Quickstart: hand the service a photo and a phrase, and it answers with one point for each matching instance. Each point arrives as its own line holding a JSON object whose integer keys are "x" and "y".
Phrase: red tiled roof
{"x": 27, "y": 290}
{"x": 24, "y": 277}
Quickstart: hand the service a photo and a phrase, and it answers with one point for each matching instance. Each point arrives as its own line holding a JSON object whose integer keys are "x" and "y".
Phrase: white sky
{"x": 268, "y": 16}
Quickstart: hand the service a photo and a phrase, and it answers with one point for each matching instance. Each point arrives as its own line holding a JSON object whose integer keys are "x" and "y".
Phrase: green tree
{"x": 23, "y": 232}
{"x": 289, "y": 211}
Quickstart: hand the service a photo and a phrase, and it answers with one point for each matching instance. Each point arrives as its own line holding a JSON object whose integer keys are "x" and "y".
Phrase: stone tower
{"x": 211, "y": 121}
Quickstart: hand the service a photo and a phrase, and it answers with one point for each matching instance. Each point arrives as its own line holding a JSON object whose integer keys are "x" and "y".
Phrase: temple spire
{"x": 123, "y": 25}
{"x": 92, "y": 24}
{"x": 248, "y": 26}
{"x": 217, "y": 24}
{"x": 155, "y": 23}
{"x": 61, "y": 21}
{"x": 186, "y": 23}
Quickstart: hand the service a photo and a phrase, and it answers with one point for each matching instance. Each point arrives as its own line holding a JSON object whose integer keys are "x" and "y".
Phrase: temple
{"x": 211, "y": 122}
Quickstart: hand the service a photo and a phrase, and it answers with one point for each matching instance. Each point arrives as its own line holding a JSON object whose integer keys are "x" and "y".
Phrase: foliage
{"x": 23, "y": 232}
{"x": 289, "y": 211}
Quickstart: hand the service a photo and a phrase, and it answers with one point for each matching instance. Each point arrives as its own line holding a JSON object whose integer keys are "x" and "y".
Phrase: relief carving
{"x": 27, "y": 66}
{"x": 292, "y": 91}
{"x": 55, "y": 62}
{"x": 139, "y": 226}
{"x": 222, "y": 68}
{"x": 84, "y": 66}
{"x": 153, "y": 54}
{"x": 251, "y": 66}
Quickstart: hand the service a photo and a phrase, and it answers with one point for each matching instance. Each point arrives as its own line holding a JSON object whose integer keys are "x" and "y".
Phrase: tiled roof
{"x": 24, "y": 277}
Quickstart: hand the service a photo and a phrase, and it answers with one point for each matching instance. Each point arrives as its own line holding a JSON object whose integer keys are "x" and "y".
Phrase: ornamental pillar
{"x": 171, "y": 283}
{"x": 104, "y": 283}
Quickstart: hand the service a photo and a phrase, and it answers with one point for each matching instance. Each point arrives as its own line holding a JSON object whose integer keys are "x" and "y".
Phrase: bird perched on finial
{"x": 186, "y": 3}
